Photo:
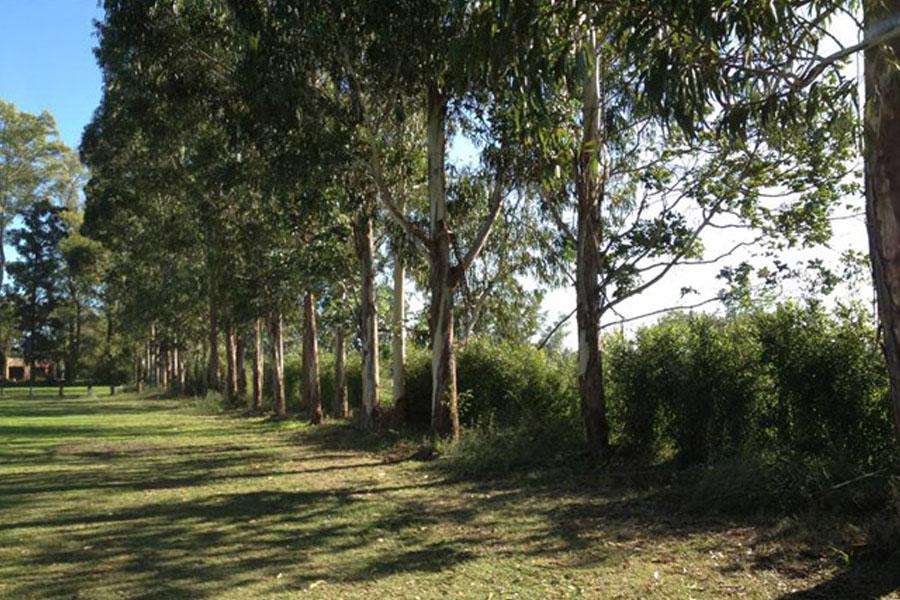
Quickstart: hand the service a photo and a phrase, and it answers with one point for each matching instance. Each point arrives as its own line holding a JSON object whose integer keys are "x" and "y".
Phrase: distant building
{"x": 19, "y": 370}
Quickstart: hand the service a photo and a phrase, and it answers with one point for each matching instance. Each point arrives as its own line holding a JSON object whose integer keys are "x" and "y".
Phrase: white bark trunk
{"x": 589, "y": 186}
{"x": 368, "y": 317}
{"x": 398, "y": 341}
{"x": 444, "y": 408}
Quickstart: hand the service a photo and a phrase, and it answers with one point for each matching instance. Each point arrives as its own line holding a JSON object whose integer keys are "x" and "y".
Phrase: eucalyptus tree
{"x": 882, "y": 134}
{"x": 763, "y": 62}
{"x": 453, "y": 63}
{"x": 641, "y": 193}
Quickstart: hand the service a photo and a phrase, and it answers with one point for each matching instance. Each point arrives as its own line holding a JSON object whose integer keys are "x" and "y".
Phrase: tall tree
{"x": 36, "y": 279}
{"x": 30, "y": 157}
{"x": 882, "y": 177}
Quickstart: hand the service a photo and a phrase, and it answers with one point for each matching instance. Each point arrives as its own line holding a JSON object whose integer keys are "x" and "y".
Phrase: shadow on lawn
{"x": 348, "y": 528}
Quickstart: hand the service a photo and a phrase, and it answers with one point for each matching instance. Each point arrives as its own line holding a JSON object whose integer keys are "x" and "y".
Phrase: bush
{"x": 831, "y": 388}
{"x": 500, "y": 382}
{"x": 328, "y": 382}
{"x": 794, "y": 383}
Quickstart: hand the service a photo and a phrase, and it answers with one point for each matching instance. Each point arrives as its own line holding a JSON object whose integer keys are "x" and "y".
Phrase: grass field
{"x": 137, "y": 497}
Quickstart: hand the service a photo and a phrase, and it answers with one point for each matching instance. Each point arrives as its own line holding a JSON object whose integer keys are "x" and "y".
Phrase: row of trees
{"x": 247, "y": 155}
{"x": 51, "y": 307}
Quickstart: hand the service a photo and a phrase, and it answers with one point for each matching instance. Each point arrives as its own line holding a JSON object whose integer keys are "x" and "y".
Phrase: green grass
{"x": 138, "y": 497}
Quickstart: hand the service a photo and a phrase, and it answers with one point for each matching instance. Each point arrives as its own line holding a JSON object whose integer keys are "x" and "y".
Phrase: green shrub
{"x": 795, "y": 383}
{"x": 500, "y": 382}
{"x": 830, "y": 384}
{"x": 327, "y": 380}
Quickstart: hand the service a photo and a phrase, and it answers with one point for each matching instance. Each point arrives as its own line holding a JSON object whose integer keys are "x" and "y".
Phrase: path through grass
{"x": 129, "y": 497}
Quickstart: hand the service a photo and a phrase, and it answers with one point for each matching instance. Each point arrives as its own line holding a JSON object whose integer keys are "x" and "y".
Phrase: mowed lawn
{"x": 138, "y": 497}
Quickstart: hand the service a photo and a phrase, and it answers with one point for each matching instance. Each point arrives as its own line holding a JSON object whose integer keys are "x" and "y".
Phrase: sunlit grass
{"x": 138, "y": 497}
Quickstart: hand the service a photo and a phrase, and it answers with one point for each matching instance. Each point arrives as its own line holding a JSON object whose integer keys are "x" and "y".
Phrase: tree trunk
{"x": 239, "y": 352}
{"x": 230, "y": 366}
{"x": 176, "y": 369}
{"x": 368, "y": 324}
{"x": 212, "y": 372}
{"x": 398, "y": 340}
{"x": 882, "y": 170}
{"x": 312, "y": 389}
{"x": 589, "y": 190}
{"x": 163, "y": 366}
{"x": 256, "y": 401}
{"x": 278, "y": 365}
{"x": 341, "y": 403}
{"x": 444, "y": 408}
{"x": 2, "y": 256}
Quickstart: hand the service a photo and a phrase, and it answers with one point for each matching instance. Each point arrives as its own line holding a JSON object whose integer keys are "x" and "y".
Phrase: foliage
{"x": 793, "y": 383}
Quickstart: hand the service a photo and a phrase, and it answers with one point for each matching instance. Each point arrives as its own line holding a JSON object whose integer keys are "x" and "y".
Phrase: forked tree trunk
{"x": 341, "y": 404}
{"x": 882, "y": 134}
{"x": 278, "y": 365}
{"x": 212, "y": 372}
{"x": 444, "y": 409}
{"x": 312, "y": 390}
{"x": 398, "y": 341}
{"x": 368, "y": 315}
{"x": 256, "y": 400}
{"x": 230, "y": 366}
{"x": 589, "y": 191}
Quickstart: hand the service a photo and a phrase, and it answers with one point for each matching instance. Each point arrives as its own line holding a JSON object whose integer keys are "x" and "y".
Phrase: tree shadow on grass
{"x": 326, "y": 519}
{"x": 866, "y": 578}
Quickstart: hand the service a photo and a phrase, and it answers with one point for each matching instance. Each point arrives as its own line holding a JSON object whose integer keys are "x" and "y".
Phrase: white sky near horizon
{"x": 46, "y": 62}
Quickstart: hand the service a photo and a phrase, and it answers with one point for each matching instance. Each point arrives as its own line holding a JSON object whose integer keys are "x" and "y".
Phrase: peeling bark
{"x": 444, "y": 407}
{"x": 312, "y": 390}
{"x": 368, "y": 316}
{"x": 882, "y": 176}
{"x": 589, "y": 191}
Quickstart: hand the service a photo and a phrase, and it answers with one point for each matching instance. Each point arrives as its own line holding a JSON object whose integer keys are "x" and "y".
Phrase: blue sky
{"x": 47, "y": 60}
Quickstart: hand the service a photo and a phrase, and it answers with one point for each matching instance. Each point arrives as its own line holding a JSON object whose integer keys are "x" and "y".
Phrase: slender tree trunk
{"x": 444, "y": 408}
{"x": 278, "y": 365}
{"x": 2, "y": 256}
{"x": 230, "y": 366}
{"x": 589, "y": 191}
{"x": 138, "y": 370}
{"x": 176, "y": 369}
{"x": 312, "y": 389}
{"x": 212, "y": 372}
{"x": 239, "y": 352}
{"x": 882, "y": 135}
{"x": 163, "y": 365}
{"x": 181, "y": 371}
{"x": 152, "y": 379}
{"x": 398, "y": 341}
{"x": 341, "y": 403}
{"x": 256, "y": 401}
{"x": 76, "y": 342}
{"x": 368, "y": 325}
